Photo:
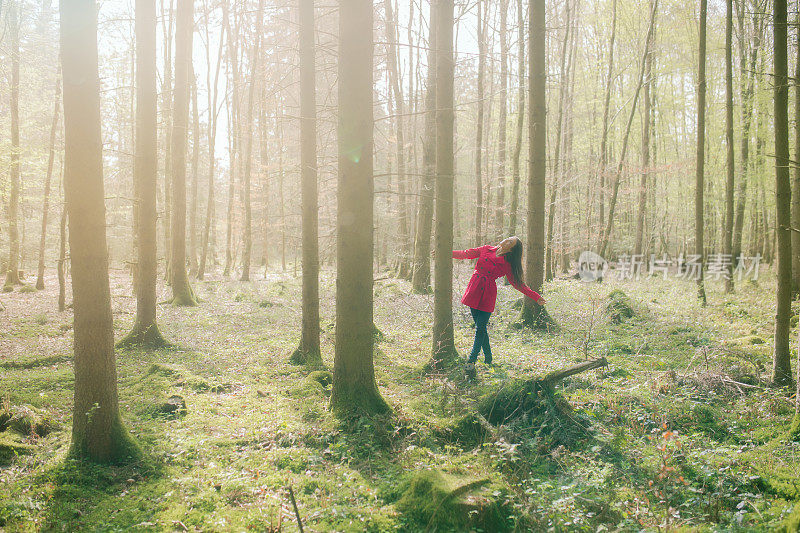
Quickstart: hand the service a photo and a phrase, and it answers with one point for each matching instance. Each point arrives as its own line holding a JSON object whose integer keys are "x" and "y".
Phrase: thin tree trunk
{"x": 515, "y": 172}
{"x": 646, "y": 111}
{"x": 400, "y": 157}
{"x": 443, "y": 350}
{"x": 354, "y": 388}
{"x": 248, "y": 155}
{"x": 700, "y": 163}
{"x": 601, "y": 204}
{"x": 233, "y": 77}
{"x": 781, "y": 367}
{"x": 503, "y": 118}
{"x": 213, "y": 116}
{"x": 796, "y": 189}
{"x": 421, "y": 277}
{"x": 195, "y": 169}
{"x": 727, "y": 234}
{"x": 479, "y": 128}
{"x": 48, "y": 178}
{"x": 12, "y": 268}
{"x": 98, "y": 433}
{"x": 182, "y": 293}
{"x": 309, "y": 351}
{"x": 557, "y": 156}
{"x": 166, "y": 113}
{"x": 617, "y": 175}
{"x": 62, "y": 253}
{"x": 145, "y": 175}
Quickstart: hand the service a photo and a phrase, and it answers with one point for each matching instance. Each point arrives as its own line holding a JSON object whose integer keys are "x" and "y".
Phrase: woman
{"x": 493, "y": 262}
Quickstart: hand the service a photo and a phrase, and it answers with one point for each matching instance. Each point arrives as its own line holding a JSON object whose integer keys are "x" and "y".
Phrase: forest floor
{"x": 680, "y": 431}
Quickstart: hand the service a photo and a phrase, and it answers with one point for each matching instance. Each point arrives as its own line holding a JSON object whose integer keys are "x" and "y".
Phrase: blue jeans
{"x": 481, "y": 336}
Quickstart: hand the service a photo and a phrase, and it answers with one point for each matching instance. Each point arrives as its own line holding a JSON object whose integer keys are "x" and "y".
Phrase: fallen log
{"x": 557, "y": 375}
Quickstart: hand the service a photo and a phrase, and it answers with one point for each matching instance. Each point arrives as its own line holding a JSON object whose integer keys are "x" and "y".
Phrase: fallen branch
{"x": 296, "y": 511}
{"x": 557, "y": 375}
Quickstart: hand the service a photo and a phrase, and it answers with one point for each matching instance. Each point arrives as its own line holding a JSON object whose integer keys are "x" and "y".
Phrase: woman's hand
{"x": 541, "y": 301}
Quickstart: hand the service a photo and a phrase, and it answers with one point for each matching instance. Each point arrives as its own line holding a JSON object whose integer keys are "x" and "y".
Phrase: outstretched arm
{"x": 471, "y": 253}
{"x": 524, "y": 289}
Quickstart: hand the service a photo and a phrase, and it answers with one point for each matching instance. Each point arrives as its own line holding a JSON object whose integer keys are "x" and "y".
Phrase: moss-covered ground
{"x": 680, "y": 431}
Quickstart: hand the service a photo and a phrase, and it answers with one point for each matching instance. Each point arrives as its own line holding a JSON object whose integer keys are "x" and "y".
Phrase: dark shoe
{"x": 488, "y": 361}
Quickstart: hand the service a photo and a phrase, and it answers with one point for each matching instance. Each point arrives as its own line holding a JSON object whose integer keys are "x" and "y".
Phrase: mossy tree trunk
{"x": 781, "y": 367}
{"x": 12, "y": 268}
{"x": 182, "y": 293}
{"x": 97, "y": 430}
{"x": 601, "y": 203}
{"x": 421, "y": 275}
{"x": 730, "y": 162}
{"x": 354, "y": 387}
{"x": 309, "y": 351}
{"x": 443, "y": 350}
{"x": 145, "y": 171}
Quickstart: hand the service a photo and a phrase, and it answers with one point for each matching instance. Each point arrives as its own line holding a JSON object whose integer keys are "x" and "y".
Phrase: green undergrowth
{"x": 681, "y": 423}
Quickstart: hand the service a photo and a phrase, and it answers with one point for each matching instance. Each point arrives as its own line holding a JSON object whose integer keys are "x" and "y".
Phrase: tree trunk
{"x": 515, "y": 172}
{"x": 62, "y": 253}
{"x": 12, "y": 268}
{"x": 213, "y": 116}
{"x": 97, "y": 430}
{"x": 796, "y": 190}
{"x": 354, "y": 388}
{"x": 145, "y": 174}
{"x": 601, "y": 204}
{"x": 700, "y": 162}
{"x": 781, "y": 367}
{"x": 195, "y": 169}
{"x": 646, "y": 111}
{"x": 727, "y": 233}
{"x": 233, "y": 79}
{"x": 612, "y": 204}
{"x": 182, "y": 293}
{"x": 248, "y": 154}
{"x": 421, "y": 277}
{"x": 443, "y": 349}
{"x": 502, "y": 136}
{"x": 400, "y": 148}
{"x": 309, "y": 351}
{"x": 479, "y": 129}
{"x": 48, "y": 178}
{"x": 166, "y": 112}
{"x": 551, "y": 211}
{"x": 534, "y": 315}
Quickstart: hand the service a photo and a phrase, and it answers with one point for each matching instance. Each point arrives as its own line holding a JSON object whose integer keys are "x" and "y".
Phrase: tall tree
{"x": 12, "y": 268}
{"x": 781, "y": 362}
{"x": 182, "y": 293}
{"x": 400, "y": 145}
{"x": 48, "y": 178}
{"x": 645, "y": 174}
{"x": 308, "y": 351}
{"x": 699, "y": 228}
{"x": 213, "y": 117}
{"x": 145, "y": 177}
{"x": 195, "y": 169}
{"x": 444, "y": 351}
{"x": 796, "y": 188}
{"x": 97, "y": 430}
{"x": 421, "y": 276}
{"x": 515, "y": 167}
{"x": 479, "y": 124}
{"x": 730, "y": 162}
{"x": 354, "y": 387}
{"x": 612, "y": 203}
{"x": 248, "y": 155}
{"x": 502, "y": 119}
{"x": 601, "y": 204}
{"x": 534, "y": 315}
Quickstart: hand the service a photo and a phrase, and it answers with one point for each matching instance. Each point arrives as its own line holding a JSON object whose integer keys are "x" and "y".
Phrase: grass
{"x": 679, "y": 431}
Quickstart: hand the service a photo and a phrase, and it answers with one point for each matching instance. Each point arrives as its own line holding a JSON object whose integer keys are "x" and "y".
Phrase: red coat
{"x": 481, "y": 291}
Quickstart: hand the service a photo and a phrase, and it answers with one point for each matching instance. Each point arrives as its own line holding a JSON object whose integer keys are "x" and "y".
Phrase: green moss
{"x": 27, "y": 289}
{"x": 434, "y": 501}
{"x": 619, "y": 307}
{"x": 27, "y": 420}
{"x": 792, "y": 523}
{"x": 11, "y": 447}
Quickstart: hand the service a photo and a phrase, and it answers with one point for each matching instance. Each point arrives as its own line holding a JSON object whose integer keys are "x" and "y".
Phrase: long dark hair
{"x": 514, "y": 258}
